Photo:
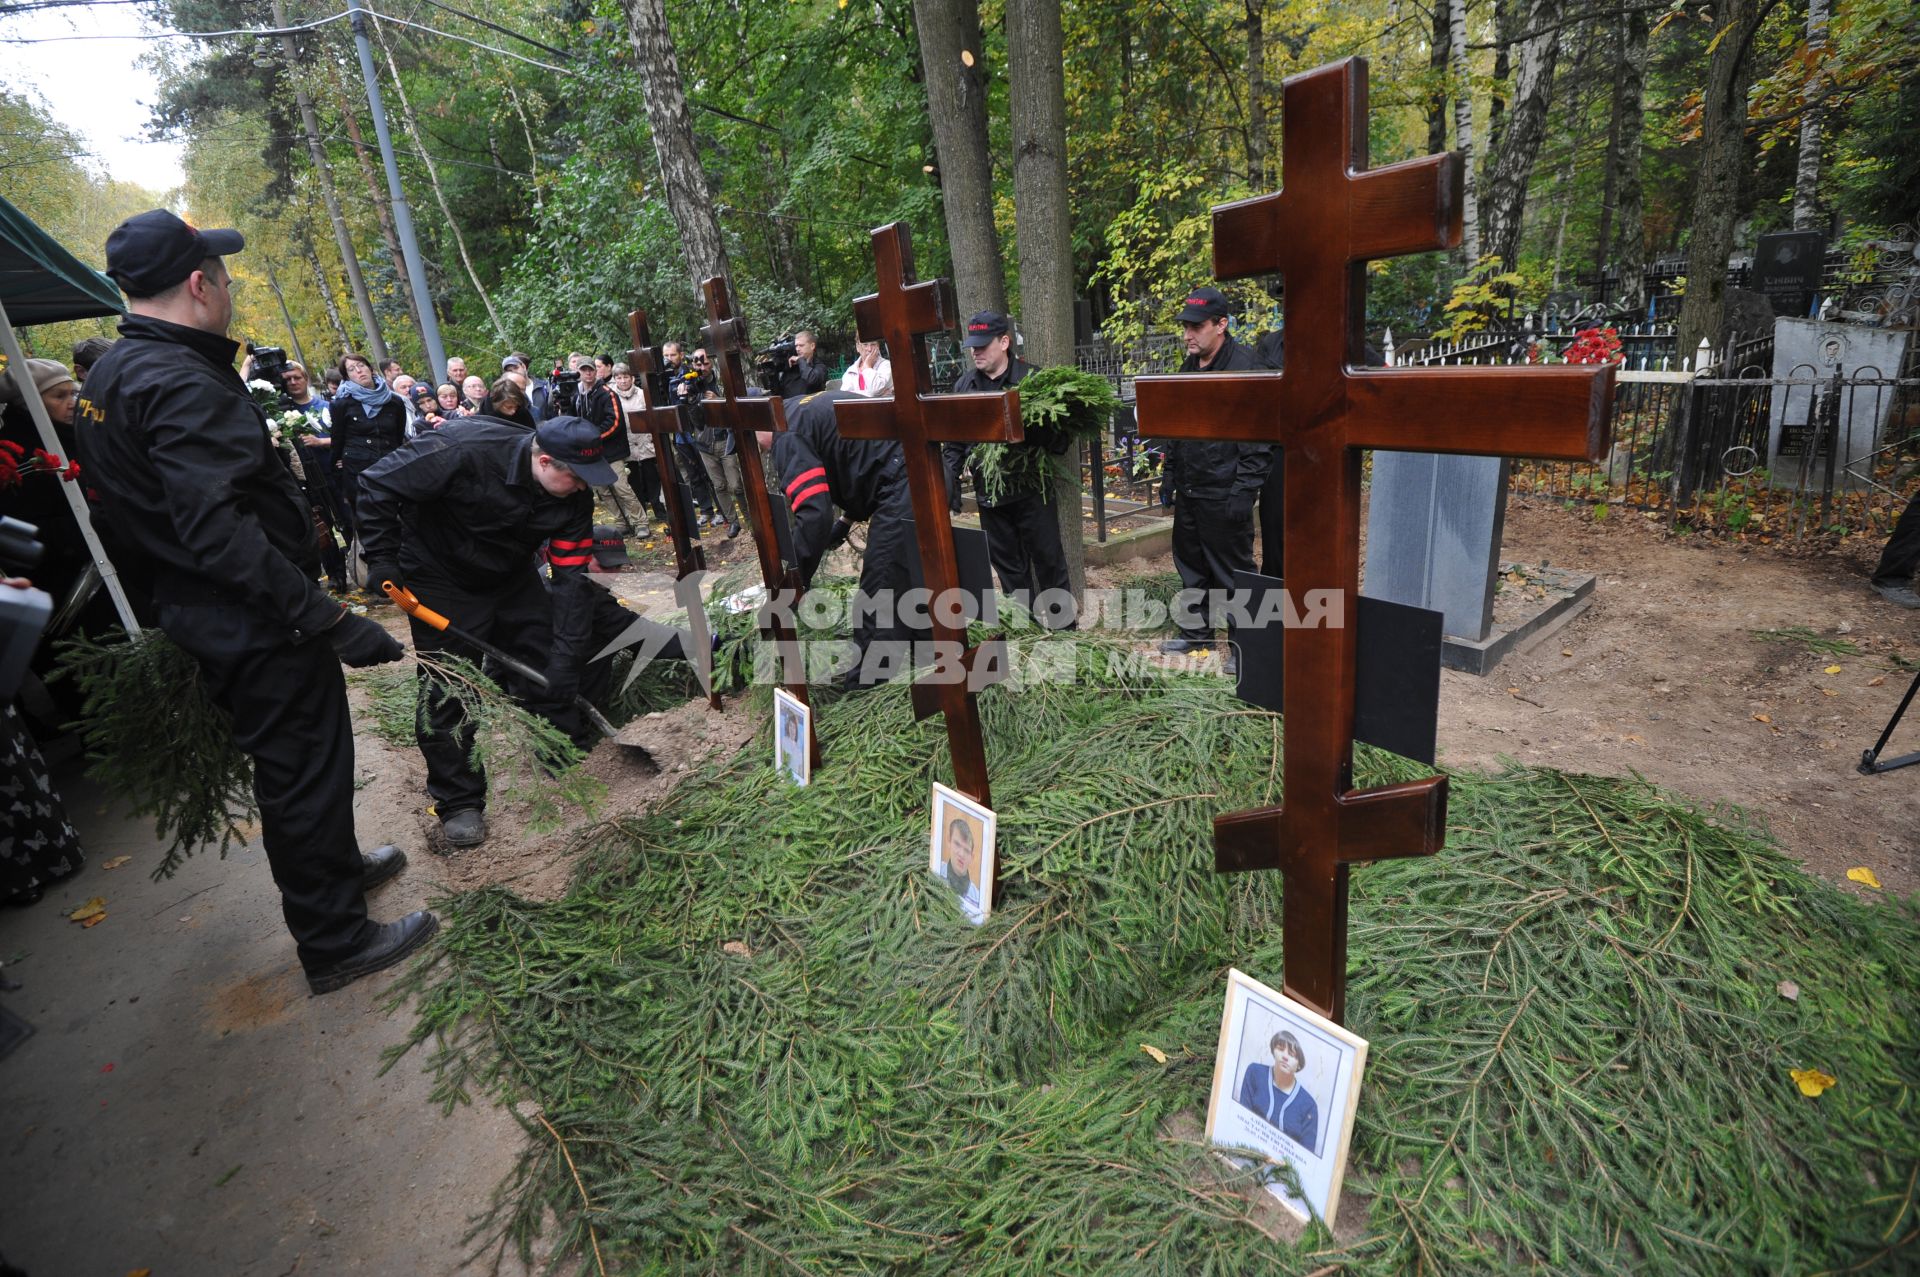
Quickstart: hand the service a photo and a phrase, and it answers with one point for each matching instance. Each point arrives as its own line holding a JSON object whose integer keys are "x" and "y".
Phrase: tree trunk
{"x": 688, "y": 197}
{"x": 1043, "y": 225}
{"x": 1463, "y": 130}
{"x": 303, "y": 236}
{"x": 1631, "y": 87}
{"x": 293, "y": 334}
{"x": 310, "y": 124}
{"x": 1438, "y": 65}
{"x": 1723, "y": 170}
{"x": 957, "y": 109}
{"x": 1511, "y": 167}
{"x": 1609, "y": 167}
{"x": 1806, "y": 178}
{"x": 439, "y": 195}
{"x": 1563, "y": 196}
{"x": 526, "y": 127}
{"x": 375, "y": 195}
{"x": 1504, "y": 14}
{"x": 1256, "y": 101}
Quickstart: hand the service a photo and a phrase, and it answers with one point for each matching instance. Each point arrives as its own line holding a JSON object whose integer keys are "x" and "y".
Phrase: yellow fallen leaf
{"x": 1833, "y": 669}
{"x": 1811, "y": 1081}
{"x": 1159, "y": 1056}
{"x": 1566, "y": 651}
{"x": 116, "y": 862}
{"x": 94, "y": 921}
{"x": 97, "y": 905}
{"x": 1762, "y": 718}
{"x": 1864, "y": 876}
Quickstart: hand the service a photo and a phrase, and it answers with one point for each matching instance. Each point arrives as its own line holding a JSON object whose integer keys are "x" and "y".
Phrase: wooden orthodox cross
{"x": 902, "y": 313}
{"x": 649, "y": 363}
{"x": 662, "y": 420}
{"x": 726, "y": 339}
{"x": 1319, "y": 230}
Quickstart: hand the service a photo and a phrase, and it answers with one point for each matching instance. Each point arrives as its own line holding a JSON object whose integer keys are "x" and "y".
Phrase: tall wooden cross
{"x": 726, "y": 339}
{"x": 1330, "y": 218}
{"x": 649, "y": 362}
{"x": 662, "y": 421}
{"x": 902, "y": 313}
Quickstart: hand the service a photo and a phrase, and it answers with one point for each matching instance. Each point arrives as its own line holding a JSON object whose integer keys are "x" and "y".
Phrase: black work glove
{"x": 838, "y": 537}
{"x": 360, "y": 642}
{"x": 379, "y": 573}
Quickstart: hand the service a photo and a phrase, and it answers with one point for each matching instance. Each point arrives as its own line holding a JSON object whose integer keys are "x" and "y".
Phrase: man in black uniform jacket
{"x": 194, "y": 499}
{"x": 1023, "y": 530}
{"x": 459, "y": 516}
{"x": 818, "y": 468}
{"x": 805, "y": 375}
{"x": 1215, "y": 482}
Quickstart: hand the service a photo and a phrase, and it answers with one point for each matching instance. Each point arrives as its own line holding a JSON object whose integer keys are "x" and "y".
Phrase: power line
{"x": 178, "y": 35}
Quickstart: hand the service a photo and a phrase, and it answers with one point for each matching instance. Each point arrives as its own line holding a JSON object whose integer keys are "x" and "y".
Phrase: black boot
{"x": 382, "y": 864}
{"x": 387, "y": 944}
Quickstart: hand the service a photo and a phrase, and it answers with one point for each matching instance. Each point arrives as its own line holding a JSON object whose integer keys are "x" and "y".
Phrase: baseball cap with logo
{"x": 1203, "y": 304}
{"x": 984, "y": 327}
{"x": 576, "y": 444}
{"x": 151, "y": 252}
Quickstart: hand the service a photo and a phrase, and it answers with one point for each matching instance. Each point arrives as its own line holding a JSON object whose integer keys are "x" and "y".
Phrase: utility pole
{"x": 324, "y": 172}
{"x": 402, "y": 215}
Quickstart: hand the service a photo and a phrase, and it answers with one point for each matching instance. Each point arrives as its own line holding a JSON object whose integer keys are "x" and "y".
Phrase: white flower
{"x": 267, "y": 386}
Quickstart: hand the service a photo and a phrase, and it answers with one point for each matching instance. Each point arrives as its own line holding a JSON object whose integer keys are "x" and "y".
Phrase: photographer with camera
{"x": 801, "y": 374}
{"x": 690, "y": 384}
{"x": 200, "y": 505}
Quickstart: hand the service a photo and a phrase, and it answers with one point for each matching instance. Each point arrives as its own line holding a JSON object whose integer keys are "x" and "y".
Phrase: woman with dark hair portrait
{"x": 1275, "y": 1092}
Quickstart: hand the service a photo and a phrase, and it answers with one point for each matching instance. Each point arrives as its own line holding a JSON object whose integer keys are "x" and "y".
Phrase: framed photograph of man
{"x": 792, "y": 721}
{"x": 1286, "y": 1081}
{"x": 960, "y": 851}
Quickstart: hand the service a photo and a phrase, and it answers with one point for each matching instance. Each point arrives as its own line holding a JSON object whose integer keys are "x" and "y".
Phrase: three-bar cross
{"x": 902, "y": 313}
{"x": 1331, "y": 217}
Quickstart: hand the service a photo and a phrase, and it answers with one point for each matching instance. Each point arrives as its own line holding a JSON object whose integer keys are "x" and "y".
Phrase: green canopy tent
{"x": 42, "y": 283}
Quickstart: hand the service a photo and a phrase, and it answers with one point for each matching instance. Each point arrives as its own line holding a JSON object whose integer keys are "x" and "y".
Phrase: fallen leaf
{"x": 1566, "y": 651}
{"x": 96, "y": 920}
{"x": 1828, "y": 691}
{"x": 1864, "y": 876}
{"x": 1833, "y": 669}
{"x": 116, "y": 862}
{"x": 1789, "y": 990}
{"x": 1811, "y": 1081}
{"x": 738, "y": 948}
{"x": 1762, "y": 718}
{"x": 1877, "y": 682}
{"x": 1159, "y": 1056}
{"x": 139, "y": 1272}
{"x": 93, "y": 907}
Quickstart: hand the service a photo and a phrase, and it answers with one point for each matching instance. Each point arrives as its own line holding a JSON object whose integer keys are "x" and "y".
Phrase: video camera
{"x": 23, "y": 613}
{"x": 270, "y": 364}
{"x": 771, "y": 365}
{"x": 566, "y": 391}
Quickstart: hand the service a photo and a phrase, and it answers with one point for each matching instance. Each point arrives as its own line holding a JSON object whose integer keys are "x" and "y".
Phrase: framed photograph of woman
{"x": 960, "y": 851}
{"x": 1286, "y": 1082}
{"x": 792, "y": 720}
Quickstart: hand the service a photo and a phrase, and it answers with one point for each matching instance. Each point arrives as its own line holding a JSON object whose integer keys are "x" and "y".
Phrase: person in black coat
{"x": 368, "y": 422}
{"x": 1216, "y": 482}
{"x": 804, "y": 375}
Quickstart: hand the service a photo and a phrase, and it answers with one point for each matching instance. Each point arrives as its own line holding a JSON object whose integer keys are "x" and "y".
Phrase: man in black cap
{"x": 195, "y": 500}
{"x": 1215, "y": 482}
{"x": 1023, "y": 530}
{"x": 460, "y": 516}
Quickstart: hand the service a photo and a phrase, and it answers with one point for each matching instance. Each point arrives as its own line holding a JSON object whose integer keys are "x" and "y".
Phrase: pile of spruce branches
{"x": 757, "y": 1037}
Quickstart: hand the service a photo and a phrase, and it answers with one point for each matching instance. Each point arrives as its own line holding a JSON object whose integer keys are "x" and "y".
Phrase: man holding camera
{"x": 1215, "y": 482}
{"x": 198, "y": 503}
{"x": 805, "y": 375}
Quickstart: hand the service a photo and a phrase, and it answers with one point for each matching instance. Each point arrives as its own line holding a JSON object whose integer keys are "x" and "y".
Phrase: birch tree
{"x": 683, "y": 180}
{"x": 1526, "y": 126}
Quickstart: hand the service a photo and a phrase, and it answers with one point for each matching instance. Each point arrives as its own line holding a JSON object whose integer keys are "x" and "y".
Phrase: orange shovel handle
{"x": 404, "y": 599}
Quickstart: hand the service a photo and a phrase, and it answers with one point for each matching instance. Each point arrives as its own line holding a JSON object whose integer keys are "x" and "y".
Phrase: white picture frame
{"x": 1308, "y": 1125}
{"x": 792, "y": 733}
{"x": 958, "y": 819}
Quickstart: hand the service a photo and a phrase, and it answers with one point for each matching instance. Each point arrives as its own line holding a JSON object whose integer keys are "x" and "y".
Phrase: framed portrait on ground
{"x": 791, "y": 721}
{"x": 1286, "y": 1082}
{"x": 960, "y": 851}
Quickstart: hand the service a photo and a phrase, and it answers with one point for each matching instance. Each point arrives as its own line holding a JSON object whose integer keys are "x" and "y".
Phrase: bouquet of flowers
{"x": 16, "y": 466}
{"x": 291, "y": 424}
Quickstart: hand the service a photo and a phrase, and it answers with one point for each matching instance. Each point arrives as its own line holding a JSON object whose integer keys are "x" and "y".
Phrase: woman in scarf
{"x": 643, "y": 468}
{"x": 369, "y": 421}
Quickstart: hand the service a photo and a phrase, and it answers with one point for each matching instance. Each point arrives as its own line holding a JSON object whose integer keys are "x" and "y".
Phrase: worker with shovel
{"x": 457, "y": 520}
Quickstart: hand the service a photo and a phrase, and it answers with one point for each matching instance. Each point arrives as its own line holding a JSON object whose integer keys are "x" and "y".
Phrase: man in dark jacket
{"x": 458, "y": 516}
{"x": 196, "y": 501}
{"x": 805, "y": 375}
{"x": 1215, "y": 482}
{"x": 818, "y": 468}
{"x": 1022, "y": 527}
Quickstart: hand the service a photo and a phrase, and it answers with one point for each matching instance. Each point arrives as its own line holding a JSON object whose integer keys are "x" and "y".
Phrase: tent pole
{"x": 75, "y": 501}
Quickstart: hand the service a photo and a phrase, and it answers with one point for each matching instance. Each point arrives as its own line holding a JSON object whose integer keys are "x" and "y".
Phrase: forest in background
{"x": 1612, "y": 134}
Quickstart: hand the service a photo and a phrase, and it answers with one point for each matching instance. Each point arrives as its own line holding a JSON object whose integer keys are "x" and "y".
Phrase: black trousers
{"x": 880, "y": 626}
{"x": 288, "y": 703}
{"x": 610, "y": 620}
{"x": 1209, "y": 546}
{"x": 1901, "y": 558}
{"x": 1273, "y": 517}
{"x": 643, "y": 475}
{"x": 1023, "y": 540}
{"x": 693, "y": 476}
{"x": 516, "y": 617}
